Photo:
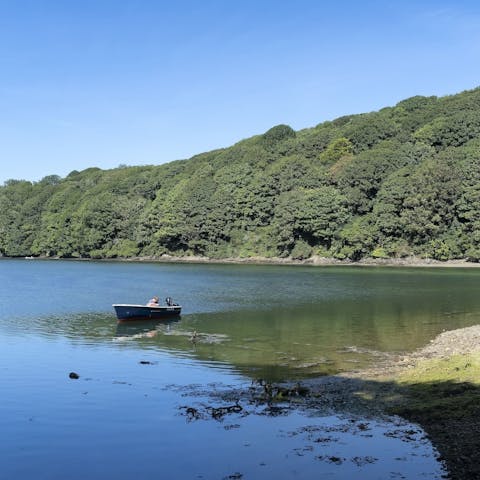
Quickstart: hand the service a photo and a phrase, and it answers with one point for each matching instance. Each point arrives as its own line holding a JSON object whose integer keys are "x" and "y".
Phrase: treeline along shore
{"x": 403, "y": 182}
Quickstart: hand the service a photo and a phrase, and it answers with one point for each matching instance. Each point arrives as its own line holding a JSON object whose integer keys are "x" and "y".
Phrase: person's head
{"x": 155, "y": 298}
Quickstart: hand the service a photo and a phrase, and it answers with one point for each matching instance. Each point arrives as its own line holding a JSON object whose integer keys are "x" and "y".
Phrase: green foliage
{"x": 337, "y": 149}
{"x": 404, "y": 180}
{"x": 361, "y": 177}
{"x": 415, "y": 112}
{"x": 356, "y": 240}
{"x": 379, "y": 252}
{"x": 428, "y": 208}
{"x": 312, "y": 215}
{"x": 473, "y": 254}
{"x": 301, "y": 250}
{"x": 450, "y": 131}
{"x": 278, "y": 133}
{"x": 17, "y": 223}
{"x": 444, "y": 248}
{"x": 365, "y": 131}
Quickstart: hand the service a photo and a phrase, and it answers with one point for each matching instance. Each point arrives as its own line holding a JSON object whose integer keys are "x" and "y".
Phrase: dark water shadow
{"x": 448, "y": 411}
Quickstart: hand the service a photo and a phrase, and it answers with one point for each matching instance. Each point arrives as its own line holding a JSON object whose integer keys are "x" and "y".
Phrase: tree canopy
{"x": 401, "y": 181}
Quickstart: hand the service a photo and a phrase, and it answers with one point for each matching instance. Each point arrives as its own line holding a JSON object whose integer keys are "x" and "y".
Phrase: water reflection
{"x": 272, "y": 322}
{"x": 302, "y": 342}
{"x": 143, "y": 328}
{"x": 278, "y": 344}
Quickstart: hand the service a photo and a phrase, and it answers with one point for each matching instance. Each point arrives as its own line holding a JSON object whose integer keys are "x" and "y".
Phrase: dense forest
{"x": 399, "y": 182}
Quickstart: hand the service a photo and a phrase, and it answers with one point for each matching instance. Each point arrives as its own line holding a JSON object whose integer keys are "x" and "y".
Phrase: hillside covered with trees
{"x": 398, "y": 182}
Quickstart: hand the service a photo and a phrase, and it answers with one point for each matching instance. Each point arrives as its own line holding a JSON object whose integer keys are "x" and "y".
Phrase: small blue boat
{"x": 145, "y": 312}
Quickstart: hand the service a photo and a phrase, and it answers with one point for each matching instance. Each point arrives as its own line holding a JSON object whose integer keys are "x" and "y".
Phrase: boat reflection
{"x": 144, "y": 328}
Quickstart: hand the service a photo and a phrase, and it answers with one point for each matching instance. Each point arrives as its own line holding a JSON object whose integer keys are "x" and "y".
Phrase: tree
{"x": 398, "y": 181}
{"x": 337, "y": 149}
{"x": 313, "y": 216}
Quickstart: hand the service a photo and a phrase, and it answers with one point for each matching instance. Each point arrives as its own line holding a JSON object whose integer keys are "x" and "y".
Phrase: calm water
{"x": 123, "y": 418}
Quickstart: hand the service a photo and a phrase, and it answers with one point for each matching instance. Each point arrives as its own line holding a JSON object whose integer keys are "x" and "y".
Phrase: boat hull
{"x": 142, "y": 312}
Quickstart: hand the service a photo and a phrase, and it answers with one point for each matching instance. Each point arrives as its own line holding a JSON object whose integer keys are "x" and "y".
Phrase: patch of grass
{"x": 443, "y": 396}
{"x": 442, "y": 387}
{"x": 457, "y": 368}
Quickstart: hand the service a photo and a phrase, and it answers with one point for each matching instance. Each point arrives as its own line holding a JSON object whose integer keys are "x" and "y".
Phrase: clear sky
{"x": 108, "y": 82}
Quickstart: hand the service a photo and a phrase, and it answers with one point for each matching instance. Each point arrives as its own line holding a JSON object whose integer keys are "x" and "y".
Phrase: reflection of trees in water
{"x": 284, "y": 343}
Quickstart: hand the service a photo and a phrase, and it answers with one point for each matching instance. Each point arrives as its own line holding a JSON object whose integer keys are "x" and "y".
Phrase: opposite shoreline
{"x": 315, "y": 261}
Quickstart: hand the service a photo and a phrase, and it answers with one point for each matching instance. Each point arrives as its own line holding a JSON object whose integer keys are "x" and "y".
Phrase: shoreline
{"x": 314, "y": 261}
{"x": 436, "y": 387}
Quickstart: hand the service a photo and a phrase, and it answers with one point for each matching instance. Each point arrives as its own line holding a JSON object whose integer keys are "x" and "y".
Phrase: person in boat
{"x": 153, "y": 302}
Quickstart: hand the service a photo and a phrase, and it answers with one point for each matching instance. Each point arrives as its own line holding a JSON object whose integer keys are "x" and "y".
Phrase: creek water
{"x": 126, "y": 414}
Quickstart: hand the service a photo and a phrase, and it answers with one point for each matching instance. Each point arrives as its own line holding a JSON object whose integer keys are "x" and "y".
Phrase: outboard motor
{"x": 169, "y": 301}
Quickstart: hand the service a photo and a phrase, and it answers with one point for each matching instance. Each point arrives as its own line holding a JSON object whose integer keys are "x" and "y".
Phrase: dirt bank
{"x": 314, "y": 261}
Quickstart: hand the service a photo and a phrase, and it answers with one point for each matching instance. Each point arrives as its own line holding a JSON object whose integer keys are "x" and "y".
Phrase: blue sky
{"x": 103, "y": 82}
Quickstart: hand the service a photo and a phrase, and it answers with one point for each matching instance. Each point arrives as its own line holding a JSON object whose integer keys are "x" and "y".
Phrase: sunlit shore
{"x": 316, "y": 261}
